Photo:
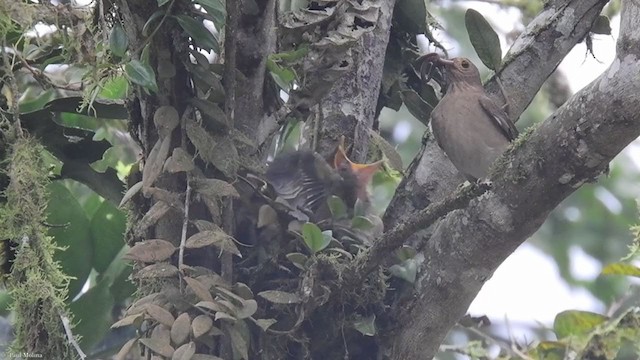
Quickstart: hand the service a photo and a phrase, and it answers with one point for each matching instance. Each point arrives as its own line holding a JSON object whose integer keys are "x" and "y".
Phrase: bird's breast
{"x": 466, "y": 134}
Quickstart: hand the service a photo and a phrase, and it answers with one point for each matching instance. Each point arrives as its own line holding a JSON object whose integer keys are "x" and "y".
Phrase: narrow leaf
{"x": 199, "y": 33}
{"x": 280, "y": 297}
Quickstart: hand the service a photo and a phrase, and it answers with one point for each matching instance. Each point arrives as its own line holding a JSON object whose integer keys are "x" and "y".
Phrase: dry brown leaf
{"x": 150, "y": 251}
{"x": 180, "y": 329}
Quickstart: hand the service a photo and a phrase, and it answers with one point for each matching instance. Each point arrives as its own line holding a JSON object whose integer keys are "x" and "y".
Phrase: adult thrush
{"x": 305, "y": 180}
{"x": 471, "y": 129}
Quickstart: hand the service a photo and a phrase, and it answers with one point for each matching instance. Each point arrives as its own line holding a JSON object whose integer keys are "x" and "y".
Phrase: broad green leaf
{"x": 315, "y": 239}
{"x": 118, "y": 42}
{"x": 621, "y": 269}
{"x": 92, "y": 313}
{"x": 361, "y": 223}
{"x": 198, "y": 32}
{"x": 141, "y": 74}
{"x": 575, "y": 322}
{"x": 337, "y": 207}
{"x": 115, "y": 88}
{"x": 412, "y": 15}
{"x": 107, "y": 232}
{"x": 71, "y": 231}
{"x": 484, "y": 39}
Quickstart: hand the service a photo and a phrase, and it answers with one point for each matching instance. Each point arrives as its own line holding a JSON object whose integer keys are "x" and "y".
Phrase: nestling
{"x": 305, "y": 180}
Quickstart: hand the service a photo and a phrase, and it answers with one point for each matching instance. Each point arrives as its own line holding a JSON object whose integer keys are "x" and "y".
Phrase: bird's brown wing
{"x": 499, "y": 117}
{"x": 437, "y": 125}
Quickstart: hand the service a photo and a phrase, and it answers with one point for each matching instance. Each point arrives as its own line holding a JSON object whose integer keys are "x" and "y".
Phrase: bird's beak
{"x": 364, "y": 172}
{"x": 435, "y": 59}
{"x": 426, "y": 63}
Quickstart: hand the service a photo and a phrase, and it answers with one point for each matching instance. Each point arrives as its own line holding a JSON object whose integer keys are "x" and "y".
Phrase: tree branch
{"x": 394, "y": 238}
{"x": 529, "y": 182}
{"x": 254, "y": 40}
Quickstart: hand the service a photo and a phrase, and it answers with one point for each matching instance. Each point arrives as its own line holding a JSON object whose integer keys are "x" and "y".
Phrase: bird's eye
{"x": 465, "y": 64}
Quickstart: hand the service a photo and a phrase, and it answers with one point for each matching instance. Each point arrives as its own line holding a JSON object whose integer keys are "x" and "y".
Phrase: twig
{"x": 506, "y": 106}
{"x": 67, "y": 329}
{"x": 15, "y": 106}
{"x": 230, "y": 80}
{"x": 185, "y": 224}
{"x": 148, "y": 39}
{"x": 424, "y": 218}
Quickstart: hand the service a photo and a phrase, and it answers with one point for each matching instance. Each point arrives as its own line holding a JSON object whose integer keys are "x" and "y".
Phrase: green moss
{"x": 37, "y": 285}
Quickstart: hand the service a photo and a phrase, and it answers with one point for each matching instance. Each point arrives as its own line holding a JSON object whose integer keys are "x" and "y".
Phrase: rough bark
{"x": 255, "y": 40}
{"x": 529, "y": 182}
{"x": 361, "y": 87}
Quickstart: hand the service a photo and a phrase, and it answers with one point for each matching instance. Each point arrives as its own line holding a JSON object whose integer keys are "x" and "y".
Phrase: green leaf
{"x": 115, "y": 88}
{"x": 575, "y": 322}
{"x": 199, "y": 33}
{"x": 315, "y": 239}
{"x": 72, "y": 232}
{"x": 298, "y": 259}
{"x": 107, "y": 232}
{"x": 118, "y": 42}
{"x": 360, "y": 208}
{"x": 216, "y": 9}
{"x": 290, "y": 56}
{"x": 141, "y": 74}
{"x": 162, "y": 2}
{"x": 549, "y": 350}
{"x": 92, "y": 312}
{"x": 484, "y": 39}
{"x": 407, "y": 270}
{"x": 146, "y": 29}
{"x": 621, "y": 269}
{"x": 361, "y": 223}
{"x": 405, "y": 252}
{"x": 366, "y": 325}
{"x": 280, "y": 297}
{"x": 337, "y": 207}
{"x": 602, "y": 26}
{"x": 283, "y": 76}
{"x": 412, "y": 15}
{"x": 417, "y": 106}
